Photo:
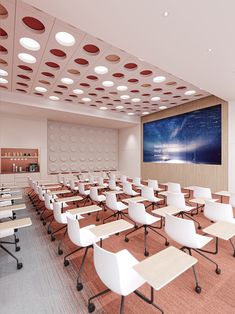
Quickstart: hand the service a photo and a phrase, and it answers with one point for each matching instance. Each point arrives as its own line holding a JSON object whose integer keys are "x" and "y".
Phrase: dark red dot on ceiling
{"x": 21, "y": 90}
{"x": 184, "y": 99}
{"x": 3, "y": 87}
{"x": 48, "y": 74}
{"x": 173, "y": 103}
{"x": 85, "y": 84}
{"x": 38, "y": 94}
{"x": 44, "y": 82}
{"x": 118, "y": 75}
{"x": 113, "y": 109}
{"x": 154, "y": 104}
{"x": 105, "y": 97}
{"x": 146, "y": 72}
{"x": 92, "y": 49}
{"x": 52, "y": 65}
{"x": 58, "y": 53}
{"x": 63, "y": 86}
{"x": 93, "y": 105}
{"x": 3, "y": 50}
{"x": 92, "y": 77}
{"x": 157, "y": 89}
{"x": 74, "y": 96}
{"x": 100, "y": 88}
{"x": 145, "y": 94}
{"x": 177, "y": 96}
{"x": 113, "y": 58}
{"x": 133, "y": 80}
{"x": 127, "y": 103}
{"x": 164, "y": 100}
{"x": 57, "y": 92}
{"x": 113, "y": 93}
{"x": 22, "y": 84}
{"x": 167, "y": 93}
{"x": 171, "y": 83}
{"x": 24, "y": 77}
{"x": 130, "y": 66}
{"x": 117, "y": 100}
{"x": 81, "y": 61}
{"x": 34, "y": 24}
{"x": 68, "y": 100}
{"x": 181, "y": 87}
{"x": 146, "y": 107}
{"x": 146, "y": 85}
{"x": 25, "y": 68}
{"x": 99, "y": 101}
{"x": 134, "y": 91}
{"x": 3, "y": 34}
{"x": 145, "y": 102}
{"x": 3, "y": 62}
{"x": 110, "y": 105}
{"x": 73, "y": 71}
{"x": 3, "y": 11}
{"x": 92, "y": 94}
{"x": 136, "y": 105}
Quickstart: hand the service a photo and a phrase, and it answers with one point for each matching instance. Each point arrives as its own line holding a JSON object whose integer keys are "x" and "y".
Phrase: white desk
{"x": 223, "y": 194}
{"x": 68, "y": 199}
{"x": 201, "y": 201}
{"x": 136, "y": 199}
{"x": 10, "y": 198}
{"x": 84, "y": 210}
{"x": 57, "y": 192}
{"x": 162, "y": 211}
{"x": 14, "y": 207}
{"x": 114, "y": 192}
{"x": 15, "y": 224}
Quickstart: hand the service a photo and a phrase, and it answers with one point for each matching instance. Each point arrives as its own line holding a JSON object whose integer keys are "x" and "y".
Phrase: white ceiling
{"x": 177, "y": 44}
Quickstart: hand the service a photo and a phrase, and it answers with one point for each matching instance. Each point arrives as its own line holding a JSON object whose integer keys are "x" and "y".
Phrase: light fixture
{"x": 130, "y": 113}
{"x": 40, "y": 89}
{"x": 29, "y": 43}
{"x": 159, "y": 79}
{"x": 210, "y": 49}
{"x": 86, "y": 99}
{"x": 119, "y": 107}
{"x": 65, "y": 39}
{"x": 135, "y": 99}
{"x": 78, "y": 91}
{"x": 190, "y": 92}
{"x": 67, "y": 80}
{"x": 162, "y": 107}
{"x": 103, "y": 108}
{"x": 122, "y": 88}
{"x": 155, "y": 98}
{"x": 165, "y": 14}
{"x": 100, "y": 69}
{"x": 26, "y": 57}
{"x": 54, "y": 97}
{"x": 3, "y": 72}
{"x": 124, "y": 96}
{"x": 3, "y": 81}
{"x": 145, "y": 112}
{"x": 107, "y": 83}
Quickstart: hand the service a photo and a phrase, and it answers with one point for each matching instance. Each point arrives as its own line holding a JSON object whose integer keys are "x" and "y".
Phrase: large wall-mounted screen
{"x": 193, "y": 137}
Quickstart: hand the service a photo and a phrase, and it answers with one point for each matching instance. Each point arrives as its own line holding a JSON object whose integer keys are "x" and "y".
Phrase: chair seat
{"x": 101, "y": 198}
{"x": 6, "y": 233}
{"x": 5, "y": 213}
{"x": 121, "y": 206}
{"x": 187, "y": 208}
{"x": 133, "y": 193}
{"x": 75, "y": 188}
{"x": 88, "y": 238}
{"x": 117, "y": 188}
{"x": 202, "y": 240}
{"x": 147, "y": 220}
{"x": 86, "y": 192}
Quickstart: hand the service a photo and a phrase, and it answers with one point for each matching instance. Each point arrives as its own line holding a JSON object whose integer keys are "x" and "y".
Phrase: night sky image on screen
{"x": 193, "y": 137}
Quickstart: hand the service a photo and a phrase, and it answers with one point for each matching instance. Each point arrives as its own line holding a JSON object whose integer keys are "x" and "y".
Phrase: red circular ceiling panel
{"x": 146, "y": 72}
{"x": 3, "y": 50}
{"x": 92, "y": 49}
{"x": 58, "y": 53}
{"x": 99, "y": 101}
{"x": 145, "y": 94}
{"x": 25, "y": 77}
{"x": 34, "y": 24}
{"x": 85, "y": 84}
{"x": 73, "y": 71}
{"x": 171, "y": 83}
{"x": 25, "y": 68}
{"x": 21, "y": 90}
{"x": 167, "y": 93}
{"x": 113, "y": 58}
{"x": 3, "y": 62}
{"x": 130, "y": 66}
{"x": 3, "y": 12}
{"x": 92, "y": 94}
{"x": 118, "y": 75}
{"x": 105, "y": 97}
{"x": 127, "y": 103}
{"x": 177, "y": 96}
{"x": 22, "y": 84}
{"x": 93, "y": 105}
{"x": 157, "y": 89}
{"x": 57, "y": 92}
{"x": 181, "y": 87}
{"x": 52, "y": 65}
{"x": 81, "y": 61}
{"x": 117, "y": 100}
{"x": 134, "y": 91}
{"x": 68, "y": 99}
{"x": 100, "y": 88}
{"x": 92, "y": 77}
{"x": 44, "y": 82}
{"x": 145, "y": 102}
{"x": 146, "y": 85}
{"x": 38, "y": 94}
{"x": 133, "y": 80}
{"x": 62, "y": 86}
{"x": 74, "y": 96}
{"x": 3, "y": 34}
{"x": 48, "y": 74}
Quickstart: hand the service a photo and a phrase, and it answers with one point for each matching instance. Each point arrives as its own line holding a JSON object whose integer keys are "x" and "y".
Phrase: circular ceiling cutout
{"x": 157, "y": 89}
{"x": 21, "y": 90}
{"x": 105, "y": 97}
{"x": 65, "y": 39}
{"x": 25, "y": 77}
{"x": 3, "y": 12}
{"x": 66, "y": 99}
{"x": 100, "y": 88}
{"x": 81, "y": 61}
{"x": 85, "y": 84}
{"x": 74, "y": 96}
{"x": 52, "y": 65}
{"x": 130, "y": 66}
{"x": 25, "y": 68}
{"x": 134, "y": 91}
{"x": 58, "y": 53}
{"x": 112, "y": 58}
{"x": 145, "y": 94}
{"x": 27, "y": 58}
{"x": 3, "y": 33}
{"x": 118, "y": 75}
{"x": 22, "y": 84}
{"x": 99, "y": 101}
{"x": 3, "y": 50}
{"x": 146, "y": 85}
{"x": 133, "y": 80}
{"x": 57, "y": 92}
{"x": 62, "y": 86}
{"x": 92, "y": 94}
{"x": 34, "y": 24}
{"x": 30, "y": 44}
{"x": 3, "y": 62}
{"x": 177, "y": 96}
{"x": 181, "y": 87}
{"x": 44, "y": 82}
{"x": 171, "y": 83}
{"x": 48, "y": 74}
{"x": 173, "y": 103}
{"x": 92, "y": 77}
{"x": 146, "y": 72}
{"x": 113, "y": 93}
{"x": 73, "y": 71}
{"x": 92, "y": 49}
{"x": 3, "y": 87}
{"x": 167, "y": 93}
{"x": 38, "y": 94}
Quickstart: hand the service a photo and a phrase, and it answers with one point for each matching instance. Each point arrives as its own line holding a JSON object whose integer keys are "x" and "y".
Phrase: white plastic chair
{"x": 72, "y": 185}
{"x": 154, "y": 184}
{"x": 99, "y": 199}
{"x": 100, "y": 182}
{"x": 117, "y": 207}
{"x": 137, "y": 183}
{"x": 127, "y": 189}
{"x": 83, "y": 192}
{"x": 113, "y": 186}
{"x": 232, "y": 199}
{"x": 138, "y": 214}
{"x": 148, "y": 193}
{"x": 123, "y": 178}
{"x": 183, "y": 231}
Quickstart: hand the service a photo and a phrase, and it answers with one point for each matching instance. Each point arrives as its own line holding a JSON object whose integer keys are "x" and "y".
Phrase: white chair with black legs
{"x": 100, "y": 182}
{"x": 138, "y": 214}
{"x": 183, "y": 231}
{"x": 232, "y": 200}
{"x": 48, "y": 200}
{"x": 148, "y": 194}
{"x": 200, "y": 195}
{"x": 154, "y": 184}
{"x": 73, "y": 187}
{"x": 123, "y": 178}
{"x": 127, "y": 189}
{"x": 83, "y": 192}
{"x": 113, "y": 186}
{"x": 99, "y": 199}
{"x": 137, "y": 183}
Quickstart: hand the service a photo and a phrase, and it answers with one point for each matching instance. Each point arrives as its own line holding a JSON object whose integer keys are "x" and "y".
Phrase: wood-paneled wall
{"x": 213, "y": 176}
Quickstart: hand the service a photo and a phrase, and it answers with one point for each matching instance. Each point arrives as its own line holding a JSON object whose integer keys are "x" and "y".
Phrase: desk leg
{"x": 149, "y": 301}
{"x": 101, "y": 242}
{"x": 230, "y": 240}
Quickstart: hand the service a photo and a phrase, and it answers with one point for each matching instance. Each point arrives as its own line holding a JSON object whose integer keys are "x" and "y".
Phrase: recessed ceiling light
{"x": 86, "y": 99}
{"x": 100, "y": 69}
{"x": 159, "y": 79}
{"x": 190, "y": 92}
{"x": 130, "y": 113}
{"x": 78, "y": 91}
{"x": 162, "y": 107}
{"x": 119, "y": 107}
{"x": 103, "y": 108}
{"x": 3, "y": 72}
{"x": 107, "y": 83}
{"x": 3, "y": 81}
{"x": 135, "y": 99}
{"x": 145, "y": 112}
{"x": 67, "y": 80}
{"x": 122, "y": 88}
{"x": 26, "y": 57}
{"x": 29, "y": 43}
{"x": 124, "y": 96}
{"x": 65, "y": 39}
{"x": 41, "y": 89}
{"x": 165, "y": 14}
{"x": 54, "y": 97}
{"x": 156, "y": 98}
{"x": 210, "y": 50}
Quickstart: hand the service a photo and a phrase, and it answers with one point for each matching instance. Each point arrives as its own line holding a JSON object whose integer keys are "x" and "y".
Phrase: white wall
{"x": 231, "y": 146}
{"x": 129, "y": 151}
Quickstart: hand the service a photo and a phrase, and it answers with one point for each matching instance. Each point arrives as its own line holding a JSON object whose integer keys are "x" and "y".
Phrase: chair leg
{"x": 66, "y": 262}
{"x": 19, "y": 265}
{"x": 91, "y": 306}
{"x": 49, "y": 226}
{"x": 217, "y": 269}
{"x": 122, "y": 304}
{"x": 60, "y": 251}
{"x": 79, "y": 284}
{"x": 230, "y": 240}
{"x": 198, "y": 224}
{"x": 161, "y": 235}
{"x": 127, "y": 217}
{"x": 149, "y": 301}
{"x": 132, "y": 231}
{"x": 54, "y": 232}
{"x": 146, "y": 253}
{"x": 113, "y": 215}
{"x": 197, "y": 288}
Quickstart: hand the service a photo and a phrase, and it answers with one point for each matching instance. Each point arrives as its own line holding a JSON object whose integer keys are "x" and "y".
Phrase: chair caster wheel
{"x": 167, "y": 243}
{"x": 135, "y": 226}
{"x": 91, "y": 307}
{"x": 60, "y": 252}
{"x": 218, "y": 271}
{"x": 117, "y": 233}
{"x": 44, "y": 223}
{"x": 126, "y": 240}
{"x": 17, "y": 249}
{"x": 89, "y": 214}
{"x": 114, "y": 215}
{"x": 19, "y": 265}
{"x": 146, "y": 253}
{"x": 52, "y": 238}
{"x": 199, "y": 227}
{"x": 146, "y": 232}
{"x": 41, "y": 218}
{"x": 79, "y": 286}
{"x": 49, "y": 231}
{"x": 97, "y": 219}
{"x": 38, "y": 213}
{"x": 17, "y": 240}
{"x": 66, "y": 262}
{"x": 198, "y": 289}
{"x": 234, "y": 254}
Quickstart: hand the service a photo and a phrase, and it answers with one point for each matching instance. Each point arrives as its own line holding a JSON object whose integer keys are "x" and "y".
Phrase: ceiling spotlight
{"x": 3, "y": 72}
{"x": 25, "y": 57}
{"x": 40, "y": 89}
{"x": 65, "y": 39}
{"x": 162, "y": 107}
{"x": 29, "y": 43}
{"x": 165, "y": 14}
{"x": 210, "y": 50}
{"x": 86, "y": 99}
{"x": 159, "y": 79}
{"x": 135, "y": 99}
{"x": 156, "y": 98}
{"x": 130, "y": 113}
{"x": 103, "y": 108}
{"x": 107, "y": 83}
{"x": 145, "y": 112}
{"x": 54, "y": 97}
{"x": 119, "y": 107}
{"x": 78, "y": 91}
{"x": 3, "y": 81}
{"x": 100, "y": 69}
{"x": 122, "y": 88}
{"x": 67, "y": 80}
{"x": 190, "y": 92}
{"x": 124, "y": 96}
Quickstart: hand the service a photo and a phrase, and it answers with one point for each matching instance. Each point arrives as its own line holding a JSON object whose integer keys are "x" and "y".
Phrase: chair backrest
{"x": 72, "y": 184}
{"x": 94, "y": 194}
{"x": 232, "y": 199}
{"x": 137, "y": 212}
{"x": 73, "y": 229}
{"x": 40, "y": 194}
{"x": 173, "y": 187}
{"x": 137, "y": 181}
{"x": 175, "y": 199}
{"x": 218, "y": 211}
{"x": 111, "y": 201}
{"x": 112, "y": 176}
{"x": 200, "y": 192}
{"x": 181, "y": 230}
{"x": 64, "y": 181}
{"x": 100, "y": 181}
{"x": 153, "y": 184}
{"x": 147, "y": 193}
{"x": 123, "y": 178}
{"x": 91, "y": 178}
{"x": 57, "y": 212}
{"x": 81, "y": 188}
{"x": 127, "y": 188}
{"x": 47, "y": 200}
{"x": 112, "y": 184}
